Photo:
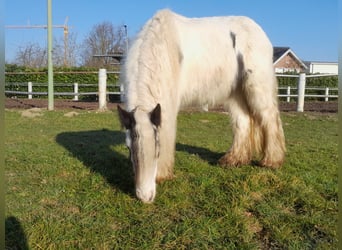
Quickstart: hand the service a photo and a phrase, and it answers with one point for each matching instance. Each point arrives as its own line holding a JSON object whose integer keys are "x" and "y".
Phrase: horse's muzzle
{"x": 146, "y": 196}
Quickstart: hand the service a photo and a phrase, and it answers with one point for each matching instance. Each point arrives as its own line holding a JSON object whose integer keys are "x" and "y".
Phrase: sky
{"x": 309, "y": 28}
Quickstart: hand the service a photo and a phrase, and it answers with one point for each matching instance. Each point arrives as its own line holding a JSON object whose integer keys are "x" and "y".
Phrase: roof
{"x": 320, "y": 62}
{"x": 280, "y": 52}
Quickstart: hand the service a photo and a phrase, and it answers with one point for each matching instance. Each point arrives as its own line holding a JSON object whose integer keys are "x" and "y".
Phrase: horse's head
{"x": 142, "y": 139}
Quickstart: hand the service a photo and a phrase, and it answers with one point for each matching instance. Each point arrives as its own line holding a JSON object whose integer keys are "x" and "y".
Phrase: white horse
{"x": 216, "y": 60}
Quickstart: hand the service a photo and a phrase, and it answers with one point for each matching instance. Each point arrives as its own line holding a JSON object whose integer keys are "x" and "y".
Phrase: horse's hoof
{"x": 229, "y": 161}
{"x": 271, "y": 164}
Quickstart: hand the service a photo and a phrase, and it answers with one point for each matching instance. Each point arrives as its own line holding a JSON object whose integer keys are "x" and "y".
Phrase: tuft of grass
{"x": 70, "y": 186}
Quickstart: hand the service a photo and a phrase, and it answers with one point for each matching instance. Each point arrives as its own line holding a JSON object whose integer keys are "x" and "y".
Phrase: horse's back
{"x": 211, "y": 48}
{"x": 193, "y": 60}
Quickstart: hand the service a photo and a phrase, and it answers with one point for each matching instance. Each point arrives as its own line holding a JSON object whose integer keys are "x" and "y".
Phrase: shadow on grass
{"x": 205, "y": 154}
{"x": 93, "y": 148}
{"x": 15, "y": 237}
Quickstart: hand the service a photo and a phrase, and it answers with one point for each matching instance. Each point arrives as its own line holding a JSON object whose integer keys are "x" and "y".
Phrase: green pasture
{"x": 69, "y": 185}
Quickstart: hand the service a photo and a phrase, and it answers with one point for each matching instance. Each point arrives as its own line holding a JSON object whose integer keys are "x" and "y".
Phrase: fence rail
{"x": 76, "y": 93}
{"x": 290, "y": 91}
{"x": 300, "y": 92}
{"x": 326, "y": 96}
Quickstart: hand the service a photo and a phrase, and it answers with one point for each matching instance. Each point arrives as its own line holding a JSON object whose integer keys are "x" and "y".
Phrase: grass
{"x": 69, "y": 186}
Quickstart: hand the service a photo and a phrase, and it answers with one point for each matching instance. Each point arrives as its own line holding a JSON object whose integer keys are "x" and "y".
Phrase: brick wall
{"x": 289, "y": 63}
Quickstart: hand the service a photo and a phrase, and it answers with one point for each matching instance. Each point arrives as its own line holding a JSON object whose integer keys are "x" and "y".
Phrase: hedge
{"x": 326, "y": 81}
{"x": 77, "y": 74}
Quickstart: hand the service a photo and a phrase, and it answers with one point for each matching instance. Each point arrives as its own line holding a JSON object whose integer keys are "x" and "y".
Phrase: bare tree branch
{"x": 66, "y": 53}
{"x": 103, "y": 39}
{"x": 31, "y": 55}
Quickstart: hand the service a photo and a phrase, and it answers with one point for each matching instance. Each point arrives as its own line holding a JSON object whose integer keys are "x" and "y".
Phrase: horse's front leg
{"x": 166, "y": 158}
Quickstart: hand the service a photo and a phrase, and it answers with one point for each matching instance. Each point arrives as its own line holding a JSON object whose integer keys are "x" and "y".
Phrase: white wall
{"x": 323, "y": 68}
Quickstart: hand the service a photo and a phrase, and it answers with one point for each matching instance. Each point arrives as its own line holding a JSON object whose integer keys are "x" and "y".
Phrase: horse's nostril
{"x": 145, "y": 197}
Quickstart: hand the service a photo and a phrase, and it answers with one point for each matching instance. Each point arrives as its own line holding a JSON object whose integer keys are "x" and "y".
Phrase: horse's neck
{"x": 154, "y": 63}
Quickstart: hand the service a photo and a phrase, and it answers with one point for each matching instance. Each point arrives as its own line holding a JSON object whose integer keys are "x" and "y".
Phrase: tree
{"x": 66, "y": 52}
{"x": 103, "y": 39}
{"x": 31, "y": 55}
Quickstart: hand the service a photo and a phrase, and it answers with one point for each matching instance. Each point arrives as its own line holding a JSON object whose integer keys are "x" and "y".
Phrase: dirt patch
{"x": 13, "y": 103}
{"x": 71, "y": 114}
{"x": 323, "y": 107}
{"x": 31, "y": 113}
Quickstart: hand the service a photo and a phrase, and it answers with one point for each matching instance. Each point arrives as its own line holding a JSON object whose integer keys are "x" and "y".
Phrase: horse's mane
{"x": 152, "y": 61}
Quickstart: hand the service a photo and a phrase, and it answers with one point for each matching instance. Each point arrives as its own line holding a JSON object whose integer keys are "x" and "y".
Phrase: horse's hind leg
{"x": 273, "y": 148}
{"x": 262, "y": 101}
{"x": 274, "y": 142}
{"x": 240, "y": 153}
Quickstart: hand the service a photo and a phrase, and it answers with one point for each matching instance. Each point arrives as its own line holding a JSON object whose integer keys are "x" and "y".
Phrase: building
{"x": 322, "y": 67}
{"x": 285, "y": 60}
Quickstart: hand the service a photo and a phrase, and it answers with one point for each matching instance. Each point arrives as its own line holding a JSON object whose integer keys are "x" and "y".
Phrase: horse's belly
{"x": 206, "y": 82}
{"x": 212, "y": 88}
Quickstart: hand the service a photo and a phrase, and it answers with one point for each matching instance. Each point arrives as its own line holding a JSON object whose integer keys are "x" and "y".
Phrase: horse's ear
{"x": 126, "y": 118}
{"x": 155, "y": 115}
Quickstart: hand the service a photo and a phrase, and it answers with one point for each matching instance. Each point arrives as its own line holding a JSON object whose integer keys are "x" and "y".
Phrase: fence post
{"x": 76, "y": 91}
{"x": 301, "y": 92}
{"x": 288, "y": 98}
{"x": 327, "y": 94}
{"x": 29, "y": 89}
{"x": 102, "y": 89}
{"x": 122, "y": 92}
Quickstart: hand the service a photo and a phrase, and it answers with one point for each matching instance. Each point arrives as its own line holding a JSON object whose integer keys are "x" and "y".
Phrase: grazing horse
{"x": 177, "y": 61}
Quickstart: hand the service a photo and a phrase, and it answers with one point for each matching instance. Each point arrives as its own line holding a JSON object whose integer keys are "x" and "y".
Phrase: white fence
{"x": 299, "y": 93}
{"x": 292, "y": 92}
{"x": 301, "y": 89}
{"x": 75, "y": 85}
{"x": 102, "y": 89}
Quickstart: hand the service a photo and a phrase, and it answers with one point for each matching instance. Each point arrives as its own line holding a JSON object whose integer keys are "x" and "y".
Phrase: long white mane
{"x": 152, "y": 62}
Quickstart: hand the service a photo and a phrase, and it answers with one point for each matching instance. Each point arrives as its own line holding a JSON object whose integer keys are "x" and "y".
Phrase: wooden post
{"x": 76, "y": 91}
{"x": 102, "y": 89}
{"x": 327, "y": 94}
{"x": 301, "y": 92}
{"x": 288, "y": 98}
{"x": 122, "y": 92}
{"x": 29, "y": 89}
